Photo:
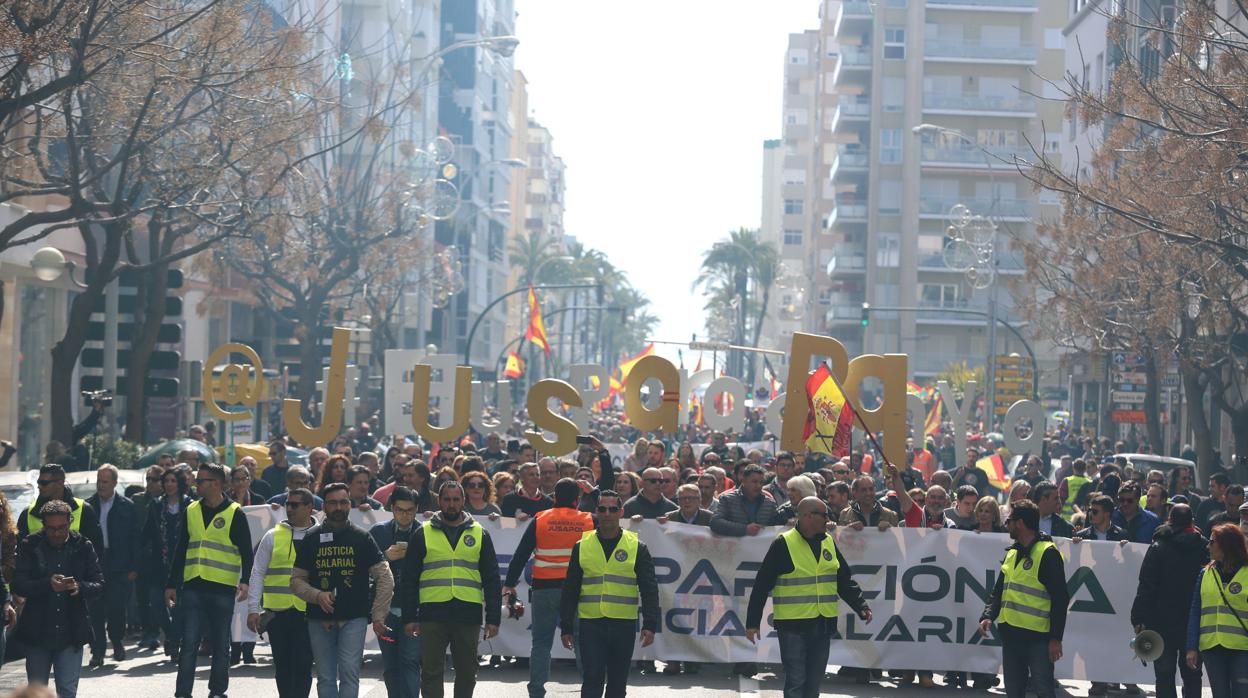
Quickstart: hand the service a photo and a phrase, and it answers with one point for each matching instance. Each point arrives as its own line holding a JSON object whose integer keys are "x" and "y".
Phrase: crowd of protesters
{"x": 73, "y": 566}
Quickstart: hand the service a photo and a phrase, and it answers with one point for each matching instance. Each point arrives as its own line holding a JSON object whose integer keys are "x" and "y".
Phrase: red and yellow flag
{"x": 995, "y": 470}
{"x": 514, "y": 367}
{"x": 830, "y": 417}
{"x": 537, "y": 329}
{"x": 628, "y": 364}
{"x": 932, "y": 426}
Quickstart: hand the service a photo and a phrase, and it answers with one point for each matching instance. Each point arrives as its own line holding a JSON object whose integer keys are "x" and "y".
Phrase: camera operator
{"x": 78, "y": 456}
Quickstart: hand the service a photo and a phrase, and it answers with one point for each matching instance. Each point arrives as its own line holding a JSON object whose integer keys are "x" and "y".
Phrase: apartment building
{"x": 874, "y": 207}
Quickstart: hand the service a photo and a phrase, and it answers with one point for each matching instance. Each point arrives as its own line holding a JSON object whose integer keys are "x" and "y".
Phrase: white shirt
{"x": 106, "y": 505}
{"x": 1046, "y": 525}
{"x": 264, "y": 554}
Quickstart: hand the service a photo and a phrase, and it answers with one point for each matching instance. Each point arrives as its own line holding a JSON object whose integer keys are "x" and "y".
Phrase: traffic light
{"x": 866, "y": 313}
{"x": 164, "y": 360}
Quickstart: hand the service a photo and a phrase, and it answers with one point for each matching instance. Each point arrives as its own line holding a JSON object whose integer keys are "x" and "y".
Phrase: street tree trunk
{"x": 149, "y": 315}
{"x": 1152, "y": 403}
{"x": 1194, "y": 389}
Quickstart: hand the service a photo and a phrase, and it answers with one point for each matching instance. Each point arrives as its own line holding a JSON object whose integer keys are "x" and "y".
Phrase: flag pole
{"x": 857, "y": 416}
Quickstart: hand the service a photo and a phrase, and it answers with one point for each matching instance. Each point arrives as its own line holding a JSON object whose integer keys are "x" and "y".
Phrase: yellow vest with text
{"x": 608, "y": 586}
{"x": 277, "y": 594}
{"x": 452, "y": 573}
{"x": 210, "y": 554}
{"x": 1073, "y": 484}
{"x": 809, "y": 591}
{"x": 1218, "y": 625}
{"x": 1025, "y": 603}
{"x": 34, "y": 524}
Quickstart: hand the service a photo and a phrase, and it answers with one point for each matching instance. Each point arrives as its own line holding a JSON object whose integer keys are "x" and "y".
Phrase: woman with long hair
{"x": 479, "y": 495}
{"x": 628, "y": 484}
{"x": 161, "y": 534}
{"x": 443, "y": 475}
{"x": 504, "y": 484}
{"x": 1020, "y": 489}
{"x": 988, "y": 516}
{"x": 1216, "y": 630}
{"x": 335, "y": 470}
{"x": 685, "y": 456}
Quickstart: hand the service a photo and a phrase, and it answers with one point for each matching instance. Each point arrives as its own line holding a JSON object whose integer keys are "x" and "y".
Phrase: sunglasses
{"x": 45, "y": 483}
{"x": 840, "y": 472}
{"x": 657, "y": 480}
{"x": 475, "y": 485}
{"x": 604, "y": 510}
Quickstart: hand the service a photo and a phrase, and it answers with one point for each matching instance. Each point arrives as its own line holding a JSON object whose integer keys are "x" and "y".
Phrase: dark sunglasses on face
{"x": 603, "y": 510}
{"x": 474, "y": 485}
{"x": 45, "y": 483}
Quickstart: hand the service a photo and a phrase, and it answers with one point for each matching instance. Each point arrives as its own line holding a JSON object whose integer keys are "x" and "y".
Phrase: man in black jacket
{"x": 400, "y": 652}
{"x": 1100, "y": 522}
{"x": 119, "y": 524}
{"x": 439, "y": 612}
{"x": 51, "y": 484}
{"x": 57, "y": 573}
{"x": 1050, "y": 505}
{"x": 805, "y": 637}
{"x": 1167, "y": 578}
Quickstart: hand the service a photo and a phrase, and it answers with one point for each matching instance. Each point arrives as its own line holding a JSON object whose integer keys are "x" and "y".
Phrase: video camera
{"x": 104, "y": 397}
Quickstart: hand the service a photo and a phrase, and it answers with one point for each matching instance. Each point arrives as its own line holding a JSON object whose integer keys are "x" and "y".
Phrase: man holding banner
{"x": 1029, "y": 604}
{"x": 806, "y": 576}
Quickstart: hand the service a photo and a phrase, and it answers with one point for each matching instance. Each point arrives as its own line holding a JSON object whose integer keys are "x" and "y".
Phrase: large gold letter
{"x": 538, "y": 404}
{"x": 238, "y": 384}
{"x": 422, "y": 375}
{"x": 804, "y": 347}
{"x": 331, "y": 407}
{"x": 666, "y": 417}
{"x": 890, "y": 417}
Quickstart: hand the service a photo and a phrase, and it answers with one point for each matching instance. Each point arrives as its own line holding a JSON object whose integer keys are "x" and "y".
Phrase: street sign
{"x": 1128, "y": 377}
{"x": 708, "y": 346}
{"x": 1129, "y": 398}
{"x": 1007, "y": 360}
{"x": 1128, "y": 417}
{"x": 1171, "y": 380}
{"x": 1122, "y": 358}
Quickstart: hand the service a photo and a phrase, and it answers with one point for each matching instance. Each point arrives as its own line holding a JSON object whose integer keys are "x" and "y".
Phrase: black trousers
{"x": 1165, "y": 665}
{"x": 606, "y": 646}
{"x": 292, "y": 653}
{"x": 108, "y": 611}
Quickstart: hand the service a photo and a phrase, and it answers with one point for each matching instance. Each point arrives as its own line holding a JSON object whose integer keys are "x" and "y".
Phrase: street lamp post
{"x": 991, "y": 246}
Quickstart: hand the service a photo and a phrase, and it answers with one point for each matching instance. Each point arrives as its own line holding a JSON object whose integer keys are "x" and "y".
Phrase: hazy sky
{"x": 659, "y": 109}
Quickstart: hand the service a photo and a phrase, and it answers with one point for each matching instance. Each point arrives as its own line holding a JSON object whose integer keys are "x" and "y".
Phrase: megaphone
{"x": 1147, "y": 646}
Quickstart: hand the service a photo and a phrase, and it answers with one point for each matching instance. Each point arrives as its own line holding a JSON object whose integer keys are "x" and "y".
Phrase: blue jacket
{"x": 120, "y": 554}
{"x": 1141, "y": 528}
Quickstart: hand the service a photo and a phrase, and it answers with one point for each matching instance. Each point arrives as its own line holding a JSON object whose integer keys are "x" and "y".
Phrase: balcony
{"x": 855, "y": 8}
{"x": 974, "y": 158}
{"x": 852, "y": 160}
{"x": 977, "y": 51}
{"x": 843, "y": 313}
{"x": 855, "y": 109}
{"x": 859, "y": 57}
{"x": 852, "y": 209}
{"x": 998, "y": 5}
{"x": 933, "y": 206}
{"x": 848, "y": 262}
{"x": 1019, "y": 105}
{"x": 1008, "y": 263}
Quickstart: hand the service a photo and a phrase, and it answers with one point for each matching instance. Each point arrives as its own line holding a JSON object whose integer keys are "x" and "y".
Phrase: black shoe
{"x": 249, "y": 658}
{"x": 97, "y": 662}
{"x": 119, "y": 653}
{"x": 236, "y": 658}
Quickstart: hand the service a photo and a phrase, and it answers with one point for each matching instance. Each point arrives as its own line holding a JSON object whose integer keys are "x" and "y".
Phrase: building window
{"x": 792, "y": 207}
{"x": 888, "y": 250}
{"x": 792, "y": 237}
{"x": 894, "y": 43}
{"x": 890, "y": 146}
{"x": 940, "y": 295}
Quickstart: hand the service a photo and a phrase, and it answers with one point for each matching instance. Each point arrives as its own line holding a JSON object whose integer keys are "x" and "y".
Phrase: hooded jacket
{"x": 1167, "y": 581}
{"x": 52, "y": 619}
{"x": 455, "y": 610}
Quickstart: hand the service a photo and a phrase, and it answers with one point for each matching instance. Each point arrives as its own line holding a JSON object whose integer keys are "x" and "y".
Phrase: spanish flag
{"x": 537, "y": 329}
{"x": 995, "y": 470}
{"x": 628, "y": 364}
{"x": 514, "y": 367}
{"x": 932, "y": 426}
{"x": 830, "y": 418}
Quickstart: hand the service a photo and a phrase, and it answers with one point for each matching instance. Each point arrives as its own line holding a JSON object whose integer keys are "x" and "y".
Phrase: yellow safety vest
{"x": 1025, "y": 603}
{"x": 34, "y": 524}
{"x": 210, "y": 554}
{"x": 608, "y": 587}
{"x": 809, "y": 591}
{"x": 1218, "y": 625}
{"x": 452, "y": 573}
{"x": 277, "y": 594}
{"x": 1073, "y": 484}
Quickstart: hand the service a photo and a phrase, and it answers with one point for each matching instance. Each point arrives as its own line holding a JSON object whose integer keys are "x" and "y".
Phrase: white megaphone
{"x": 1147, "y": 646}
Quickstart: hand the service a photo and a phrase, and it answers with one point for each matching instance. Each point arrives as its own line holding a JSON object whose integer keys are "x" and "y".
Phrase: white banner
{"x": 927, "y": 589}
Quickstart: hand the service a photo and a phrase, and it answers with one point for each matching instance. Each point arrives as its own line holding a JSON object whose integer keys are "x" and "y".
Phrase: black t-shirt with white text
{"x": 337, "y": 561}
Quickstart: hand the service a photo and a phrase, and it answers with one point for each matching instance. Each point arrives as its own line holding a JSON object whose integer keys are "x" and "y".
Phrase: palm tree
{"x": 730, "y": 270}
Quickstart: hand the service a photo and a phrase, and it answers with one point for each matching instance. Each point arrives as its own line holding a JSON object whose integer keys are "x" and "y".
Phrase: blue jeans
{"x": 544, "y": 611}
{"x": 1021, "y": 657}
{"x": 804, "y": 656}
{"x": 167, "y": 619}
{"x": 1228, "y": 672}
{"x": 400, "y": 660}
{"x": 66, "y": 663}
{"x": 338, "y": 651}
{"x": 205, "y": 614}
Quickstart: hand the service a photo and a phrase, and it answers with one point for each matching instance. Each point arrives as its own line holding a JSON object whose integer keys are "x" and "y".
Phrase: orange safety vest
{"x": 923, "y": 463}
{"x": 557, "y": 531}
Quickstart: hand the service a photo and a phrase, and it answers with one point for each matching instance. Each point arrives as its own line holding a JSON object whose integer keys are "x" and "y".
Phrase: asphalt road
{"x": 148, "y": 675}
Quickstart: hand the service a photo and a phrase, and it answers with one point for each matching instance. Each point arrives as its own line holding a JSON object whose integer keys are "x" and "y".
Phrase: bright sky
{"x": 659, "y": 108}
